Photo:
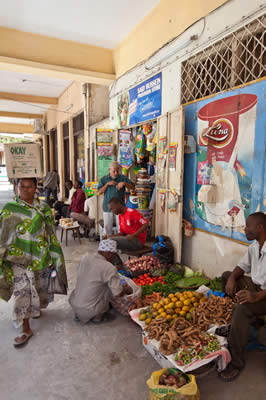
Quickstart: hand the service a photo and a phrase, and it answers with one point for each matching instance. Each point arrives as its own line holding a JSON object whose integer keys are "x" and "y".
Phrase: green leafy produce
{"x": 171, "y": 277}
{"x": 189, "y": 273}
{"x": 159, "y": 272}
{"x": 216, "y": 284}
{"x": 194, "y": 281}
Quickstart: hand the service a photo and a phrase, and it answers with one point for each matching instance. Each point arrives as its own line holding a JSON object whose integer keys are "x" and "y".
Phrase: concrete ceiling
{"x": 101, "y": 23}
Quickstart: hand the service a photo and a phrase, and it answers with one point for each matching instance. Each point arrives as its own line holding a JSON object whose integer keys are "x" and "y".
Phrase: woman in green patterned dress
{"x": 28, "y": 250}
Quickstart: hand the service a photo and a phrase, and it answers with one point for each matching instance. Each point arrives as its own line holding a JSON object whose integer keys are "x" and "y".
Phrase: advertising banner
{"x": 141, "y": 103}
{"x": 230, "y": 159}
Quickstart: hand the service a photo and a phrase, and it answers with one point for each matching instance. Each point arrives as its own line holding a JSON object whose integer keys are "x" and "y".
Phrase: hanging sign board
{"x": 23, "y": 160}
{"x": 141, "y": 103}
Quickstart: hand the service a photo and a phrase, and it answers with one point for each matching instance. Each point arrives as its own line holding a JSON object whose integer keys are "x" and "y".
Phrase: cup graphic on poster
{"x": 226, "y": 130}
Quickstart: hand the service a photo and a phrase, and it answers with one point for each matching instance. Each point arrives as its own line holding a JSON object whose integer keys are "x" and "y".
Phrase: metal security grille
{"x": 236, "y": 59}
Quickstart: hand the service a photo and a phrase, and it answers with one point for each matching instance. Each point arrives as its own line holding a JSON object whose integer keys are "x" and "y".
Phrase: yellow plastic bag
{"x": 189, "y": 391}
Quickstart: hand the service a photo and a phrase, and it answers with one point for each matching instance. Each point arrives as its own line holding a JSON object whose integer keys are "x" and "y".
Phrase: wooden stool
{"x": 74, "y": 229}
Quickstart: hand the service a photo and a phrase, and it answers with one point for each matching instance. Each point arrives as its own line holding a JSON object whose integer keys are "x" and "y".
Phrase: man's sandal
{"x": 24, "y": 336}
{"x": 229, "y": 374}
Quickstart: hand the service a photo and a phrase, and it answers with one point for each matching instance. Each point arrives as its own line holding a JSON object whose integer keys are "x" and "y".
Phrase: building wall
{"x": 204, "y": 251}
{"x": 98, "y": 109}
{"x": 166, "y": 21}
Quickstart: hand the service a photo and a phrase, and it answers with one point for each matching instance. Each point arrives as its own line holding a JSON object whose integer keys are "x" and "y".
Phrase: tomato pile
{"x": 145, "y": 279}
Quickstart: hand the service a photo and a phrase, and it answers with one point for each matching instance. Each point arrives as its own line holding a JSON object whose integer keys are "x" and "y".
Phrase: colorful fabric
{"x": 27, "y": 238}
{"x": 130, "y": 222}
{"x": 112, "y": 191}
{"x": 108, "y": 245}
{"x": 77, "y": 202}
{"x": 26, "y": 299}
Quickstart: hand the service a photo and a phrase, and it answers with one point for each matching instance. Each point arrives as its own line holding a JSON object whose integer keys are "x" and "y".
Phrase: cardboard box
{"x": 161, "y": 359}
{"x": 23, "y": 160}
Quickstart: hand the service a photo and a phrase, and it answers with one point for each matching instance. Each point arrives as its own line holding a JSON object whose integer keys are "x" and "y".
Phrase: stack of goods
{"x": 66, "y": 222}
{"x": 143, "y": 188}
{"x": 141, "y": 265}
{"x": 187, "y": 337}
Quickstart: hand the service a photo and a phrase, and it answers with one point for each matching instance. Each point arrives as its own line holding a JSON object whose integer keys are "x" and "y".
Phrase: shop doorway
{"x": 79, "y": 150}
{"x": 66, "y": 150}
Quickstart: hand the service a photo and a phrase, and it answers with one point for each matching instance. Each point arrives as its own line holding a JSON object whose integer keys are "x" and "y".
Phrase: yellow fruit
{"x": 178, "y": 310}
{"x": 177, "y": 294}
{"x": 163, "y": 314}
{"x": 187, "y": 302}
{"x": 171, "y": 296}
{"x": 174, "y": 316}
{"x": 171, "y": 305}
{"x": 168, "y": 317}
{"x": 182, "y": 298}
{"x": 158, "y": 317}
{"x": 158, "y": 306}
{"x": 188, "y": 316}
{"x": 142, "y": 317}
{"x": 161, "y": 310}
{"x": 147, "y": 321}
{"x": 182, "y": 313}
{"x": 191, "y": 309}
{"x": 155, "y": 305}
{"x": 170, "y": 311}
{"x": 190, "y": 295}
{"x": 174, "y": 299}
{"x": 193, "y": 299}
{"x": 185, "y": 308}
{"x": 202, "y": 300}
{"x": 154, "y": 314}
{"x": 166, "y": 307}
{"x": 166, "y": 301}
{"x": 179, "y": 304}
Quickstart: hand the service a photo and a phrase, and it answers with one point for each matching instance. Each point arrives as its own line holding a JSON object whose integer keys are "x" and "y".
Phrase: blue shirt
{"x": 112, "y": 191}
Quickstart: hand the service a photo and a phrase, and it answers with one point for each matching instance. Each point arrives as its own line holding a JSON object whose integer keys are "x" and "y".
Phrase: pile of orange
{"x": 174, "y": 306}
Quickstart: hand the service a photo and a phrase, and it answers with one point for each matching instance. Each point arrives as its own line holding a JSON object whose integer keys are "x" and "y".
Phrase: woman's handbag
{"x": 55, "y": 284}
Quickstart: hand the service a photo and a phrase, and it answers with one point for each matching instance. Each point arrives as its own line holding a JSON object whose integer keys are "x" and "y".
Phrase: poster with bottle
{"x": 125, "y": 151}
{"x": 230, "y": 132}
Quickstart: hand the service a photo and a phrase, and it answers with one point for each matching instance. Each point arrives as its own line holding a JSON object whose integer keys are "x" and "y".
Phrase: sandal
{"x": 229, "y": 374}
{"x": 26, "y": 336}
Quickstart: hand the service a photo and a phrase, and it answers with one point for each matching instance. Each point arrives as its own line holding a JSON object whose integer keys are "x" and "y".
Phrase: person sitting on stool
{"x": 132, "y": 225}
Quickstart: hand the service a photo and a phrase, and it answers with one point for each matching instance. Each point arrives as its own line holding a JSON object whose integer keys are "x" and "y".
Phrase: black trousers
{"x": 243, "y": 316}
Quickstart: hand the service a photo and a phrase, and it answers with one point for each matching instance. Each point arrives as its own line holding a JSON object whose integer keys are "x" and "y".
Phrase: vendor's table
{"x": 74, "y": 229}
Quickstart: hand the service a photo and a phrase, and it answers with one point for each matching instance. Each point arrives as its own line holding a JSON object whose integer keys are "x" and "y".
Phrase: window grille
{"x": 236, "y": 59}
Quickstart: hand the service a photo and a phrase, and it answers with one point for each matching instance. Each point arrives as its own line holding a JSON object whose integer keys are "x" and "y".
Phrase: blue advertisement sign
{"x": 141, "y": 103}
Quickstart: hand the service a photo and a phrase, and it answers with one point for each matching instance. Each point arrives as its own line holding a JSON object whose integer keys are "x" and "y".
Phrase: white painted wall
{"x": 203, "y": 251}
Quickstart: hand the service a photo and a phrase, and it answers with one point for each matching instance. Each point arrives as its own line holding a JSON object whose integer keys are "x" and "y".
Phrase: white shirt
{"x": 97, "y": 282}
{"x": 255, "y": 264}
{"x": 90, "y": 207}
{"x": 71, "y": 192}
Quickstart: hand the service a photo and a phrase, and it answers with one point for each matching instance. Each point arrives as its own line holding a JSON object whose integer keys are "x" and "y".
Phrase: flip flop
{"x": 229, "y": 374}
{"x": 26, "y": 335}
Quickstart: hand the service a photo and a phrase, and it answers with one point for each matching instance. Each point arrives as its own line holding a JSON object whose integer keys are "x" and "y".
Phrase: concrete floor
{"x": 67, "y": 361}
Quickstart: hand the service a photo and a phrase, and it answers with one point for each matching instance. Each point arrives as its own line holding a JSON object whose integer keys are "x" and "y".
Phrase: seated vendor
{"x": 133, "y": 227}
{"x": 62, "y": 206}
{"x": 97, "y": 283}
{"x": 250, "y": 293}
{"x": 88, "y": 217}
{"x": 78, "y": 200}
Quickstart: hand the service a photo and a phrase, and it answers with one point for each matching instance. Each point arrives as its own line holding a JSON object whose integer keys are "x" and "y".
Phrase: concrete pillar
{"x": 86, "y": 129}
{"x": 45, "y": 155}
{"x": 71, "y": 151}
{"x": 61, "y": 166}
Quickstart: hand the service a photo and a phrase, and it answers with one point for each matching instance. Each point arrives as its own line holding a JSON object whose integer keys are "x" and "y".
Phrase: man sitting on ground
{"x": 97, "y": 283}
{"x": 77, "y": 202}
{"x": 133, "y": 227}
{"x": 250, "y": 293}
